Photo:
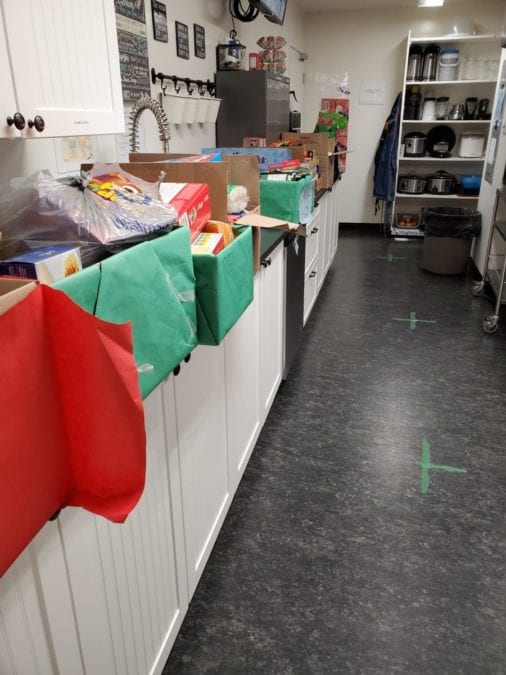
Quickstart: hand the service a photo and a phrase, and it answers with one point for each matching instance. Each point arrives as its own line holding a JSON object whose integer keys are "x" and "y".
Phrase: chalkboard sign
{"x": 182, "y": 40}
{"x": 159, "y": 13}
{"x": 199, "y": 37}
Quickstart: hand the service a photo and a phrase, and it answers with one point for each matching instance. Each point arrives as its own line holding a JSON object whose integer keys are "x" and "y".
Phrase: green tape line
{"x": 413, "y": 321}
{"x": 427, "y": 466}
{"x": 390, "y": 258}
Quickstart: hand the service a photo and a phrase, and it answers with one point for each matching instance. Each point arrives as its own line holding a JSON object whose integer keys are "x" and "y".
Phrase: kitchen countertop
{"x": 269, "y": 239}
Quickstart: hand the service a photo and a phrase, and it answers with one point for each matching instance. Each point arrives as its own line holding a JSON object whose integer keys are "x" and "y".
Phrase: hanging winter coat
{"x": 385, "y": 160}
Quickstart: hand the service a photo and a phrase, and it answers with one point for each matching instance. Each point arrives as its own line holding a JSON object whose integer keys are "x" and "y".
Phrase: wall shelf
{"x": 457, "y": 38}
{"x": 445, "y": 122}
{"x": 484, "y": 86}
{"x": 426, "y": 195}
{"x": 445, "y": 83}
{"x": 444, "y": 160}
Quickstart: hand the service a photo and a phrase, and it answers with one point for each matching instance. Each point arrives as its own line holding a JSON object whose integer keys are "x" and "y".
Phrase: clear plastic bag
{"x": 41, "y": 208}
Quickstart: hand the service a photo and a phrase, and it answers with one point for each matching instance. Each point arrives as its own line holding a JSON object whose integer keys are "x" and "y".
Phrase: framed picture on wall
{"x": 182, "y": 40}
{"x": 159, "y": 13}
{"x": 199, "y": 38}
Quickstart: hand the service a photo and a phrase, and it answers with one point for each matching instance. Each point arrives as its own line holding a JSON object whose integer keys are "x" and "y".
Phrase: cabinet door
{"x": 312, "y": 233}
{"x": 8, "y": 99}
{"x": 272, "y": 282}
{"x": 322, "y": 239}
{"x": 242, "y": 387}
{"x": 203, "y": 460}
{"x": 310, "y": 282}
{"x": 128, "y": 597}
{"x": 65, "y": 65}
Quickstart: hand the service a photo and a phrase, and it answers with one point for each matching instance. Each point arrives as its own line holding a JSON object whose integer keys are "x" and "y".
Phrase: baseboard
{"x": 360, "y": 226}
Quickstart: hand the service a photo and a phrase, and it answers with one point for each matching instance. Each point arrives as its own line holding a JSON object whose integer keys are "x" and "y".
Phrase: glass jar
{"x": 470, "y": 65}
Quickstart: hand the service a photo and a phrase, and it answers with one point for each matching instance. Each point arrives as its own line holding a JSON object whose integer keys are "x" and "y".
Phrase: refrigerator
{"x": 254, "y": 103}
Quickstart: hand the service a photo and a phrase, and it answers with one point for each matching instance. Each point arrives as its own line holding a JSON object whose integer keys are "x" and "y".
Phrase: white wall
{"x": 370, "y": 45}
{"x": 21, "y": 157}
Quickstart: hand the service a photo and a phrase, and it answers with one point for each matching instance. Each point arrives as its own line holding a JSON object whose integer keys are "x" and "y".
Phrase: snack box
{"x": 254, "y": 142}
{"x": 47, "y": 264}
{"x": 208, "y": 242}
{"x": 192, "y": 203}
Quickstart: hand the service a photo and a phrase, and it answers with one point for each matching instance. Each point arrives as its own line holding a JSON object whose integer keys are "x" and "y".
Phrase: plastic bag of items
{"x": 101, "y": 212}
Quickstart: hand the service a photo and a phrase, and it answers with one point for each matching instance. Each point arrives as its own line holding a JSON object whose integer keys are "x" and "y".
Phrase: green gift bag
{"x": 288, "y": 200}
{"x": 224, "y": 287}
{"x": 152, "y": 286}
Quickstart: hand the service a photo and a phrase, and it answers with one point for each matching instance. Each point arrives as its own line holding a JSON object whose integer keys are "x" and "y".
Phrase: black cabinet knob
{"x": 177, "y": 370}
{"x": 269, "y": 261}
{"x": 17, "y": 120}
{"x": 264, "y": 263}
{"x": 38, "y": 123}
{"x": 314, "y": 230}
{"x": 313, "y": 274}
{"x": 187, "y": 358}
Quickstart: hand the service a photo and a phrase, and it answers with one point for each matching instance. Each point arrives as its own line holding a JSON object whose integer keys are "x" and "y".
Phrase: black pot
{"x": 411, "y": 184}
{"x": 441, "y": 183}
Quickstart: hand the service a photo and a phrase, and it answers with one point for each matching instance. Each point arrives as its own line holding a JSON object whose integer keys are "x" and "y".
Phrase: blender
{"x": 442, "y": 107}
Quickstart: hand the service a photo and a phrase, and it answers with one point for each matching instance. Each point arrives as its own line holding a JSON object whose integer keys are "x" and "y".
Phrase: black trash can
{"x": 449, "y": 234}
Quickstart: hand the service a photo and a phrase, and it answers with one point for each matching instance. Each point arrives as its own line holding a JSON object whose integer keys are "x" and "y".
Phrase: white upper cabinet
{"x": 64, "y": 77}
{"x": 7, "y": 99}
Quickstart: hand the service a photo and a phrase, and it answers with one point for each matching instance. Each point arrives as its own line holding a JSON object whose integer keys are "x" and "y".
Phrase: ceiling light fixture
{"x": 431, "y": 3}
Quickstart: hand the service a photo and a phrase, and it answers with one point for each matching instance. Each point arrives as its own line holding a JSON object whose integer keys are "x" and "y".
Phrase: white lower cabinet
{"x": 89, "y": 596}
{"x": 272, "y": 312}
{"x": 203, "y": 461}
{"x": 321, "y": 246}
{"x": 242, "y": 387}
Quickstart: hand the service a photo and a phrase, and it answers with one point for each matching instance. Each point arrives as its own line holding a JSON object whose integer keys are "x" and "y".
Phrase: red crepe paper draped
{"x": 72, "y": 417}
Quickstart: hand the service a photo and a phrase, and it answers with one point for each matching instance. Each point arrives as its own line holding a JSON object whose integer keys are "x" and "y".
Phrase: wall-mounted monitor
{"x": 274, "y": 10}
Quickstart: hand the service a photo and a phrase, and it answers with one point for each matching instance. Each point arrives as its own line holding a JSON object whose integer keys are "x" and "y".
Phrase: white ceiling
{"x": 340, "y": 5}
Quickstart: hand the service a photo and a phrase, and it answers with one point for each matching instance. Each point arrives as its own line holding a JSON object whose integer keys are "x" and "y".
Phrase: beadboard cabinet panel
{"x": 65, "y": 67}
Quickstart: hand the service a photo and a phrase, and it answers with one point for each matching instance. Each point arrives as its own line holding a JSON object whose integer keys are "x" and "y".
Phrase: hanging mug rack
{"x": 181, "y": 107}
{"x": 191, "y": 85}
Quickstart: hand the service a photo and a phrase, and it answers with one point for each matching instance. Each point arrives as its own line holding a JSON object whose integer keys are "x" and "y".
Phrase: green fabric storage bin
{"x": 224, "y": 287}
{"x": 291, "y": 200}
{"x": 152, "y": 285}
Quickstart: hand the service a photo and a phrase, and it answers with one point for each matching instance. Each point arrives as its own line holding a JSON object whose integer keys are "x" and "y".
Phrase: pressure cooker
{"x": 441, "y": 183}
{"x": 411, "y": 184}
{"x": 414, "y": 144}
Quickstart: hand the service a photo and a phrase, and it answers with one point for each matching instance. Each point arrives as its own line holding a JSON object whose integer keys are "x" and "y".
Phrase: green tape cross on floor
{"x": 413, "y": 321}
{"x": 428, "y": 466}
{"x": 389, "y": 258}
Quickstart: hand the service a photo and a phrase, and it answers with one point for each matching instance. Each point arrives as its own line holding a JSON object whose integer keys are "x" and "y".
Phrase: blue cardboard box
{"x": 265, "y": 156}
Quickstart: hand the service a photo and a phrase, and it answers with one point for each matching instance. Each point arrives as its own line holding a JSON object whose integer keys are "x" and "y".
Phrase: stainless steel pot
{"x": 441, "y": 183}
{"x": 414, "y": 144}
{"x": 411, "y": 184}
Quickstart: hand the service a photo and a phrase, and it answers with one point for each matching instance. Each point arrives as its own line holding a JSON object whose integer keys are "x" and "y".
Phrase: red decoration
{"x": 72, "y": 417}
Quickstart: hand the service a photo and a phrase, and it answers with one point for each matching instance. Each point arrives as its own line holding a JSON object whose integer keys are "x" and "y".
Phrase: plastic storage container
{"x": 449, "y": 60}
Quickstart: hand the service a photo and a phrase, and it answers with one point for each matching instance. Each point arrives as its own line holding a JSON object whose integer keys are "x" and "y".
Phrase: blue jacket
{"x": 385, "y": 160}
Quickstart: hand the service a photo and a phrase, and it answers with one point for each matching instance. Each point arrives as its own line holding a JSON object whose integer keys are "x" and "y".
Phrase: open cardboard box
{"x": 14, "y": 290}
{"x": 234, "y": 170}
{"x": 257, "y": 222}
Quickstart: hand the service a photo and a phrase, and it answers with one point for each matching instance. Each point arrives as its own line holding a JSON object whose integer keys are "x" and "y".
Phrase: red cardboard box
{"x": 192, "y": 203}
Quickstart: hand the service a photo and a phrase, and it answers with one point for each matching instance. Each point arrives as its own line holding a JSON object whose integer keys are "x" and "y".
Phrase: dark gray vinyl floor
{"x": 341, "y": 553}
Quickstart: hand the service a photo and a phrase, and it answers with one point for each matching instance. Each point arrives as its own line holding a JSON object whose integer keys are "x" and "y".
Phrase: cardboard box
{"x": 192, "y": 203}
{"x": 47, "y": 264}
{"x": 254, "y": 142}
{"x": 320, "y": 143}
{"x": 237, "y": 169}
{"x": 208, "y": 243}
{"x": 266, "y": 156}
{"x": 13, "y": 291}
{"x": 257, "y": 222}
